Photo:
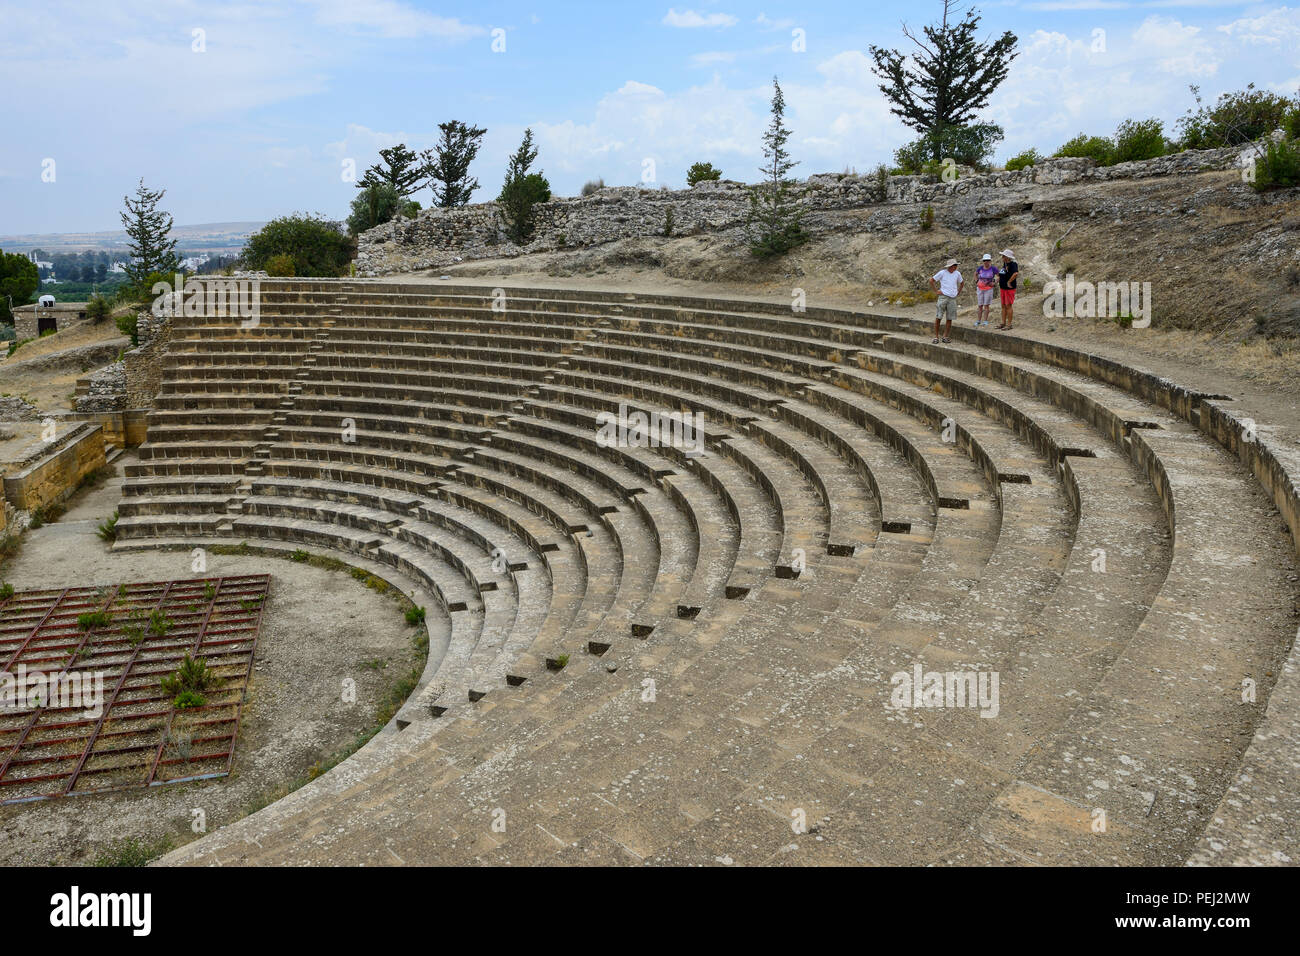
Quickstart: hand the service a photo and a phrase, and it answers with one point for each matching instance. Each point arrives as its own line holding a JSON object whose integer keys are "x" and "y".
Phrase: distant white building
{"x": 117, "y": 267}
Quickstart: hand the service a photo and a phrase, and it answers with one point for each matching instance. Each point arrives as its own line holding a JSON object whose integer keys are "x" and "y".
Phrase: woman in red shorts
{"x": 1007, "y": 276}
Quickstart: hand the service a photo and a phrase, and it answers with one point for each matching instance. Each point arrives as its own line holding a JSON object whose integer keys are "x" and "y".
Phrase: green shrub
{"x": 97, "y": 308}
{"x": 280, "y": 266}
{"x": 1279, "y": 166}
{"x": 107, "y": 529}
{"x": 1291, "y": 124}
{"x": 518, "y": 202}
{"x": 1097, "y": 148}
{"x": 43, "y": 514}
{"x": 209, "y": 591}
{"x": 702, "y": 173}
{"x": 927, "y": 218}
{"x": 964, "y": 145}
{"x": 93, "y": 619}
{"x": 188, "y": 698}
{"x": 373, "y": 206}
{"x": 911, "y": 157}
{"x": 880, "y": 183}
{"x": 193, "y": 676}
{"x": 299, "y": 555}
{"x": 593, "y": 186}
{"x": 414, "y": 615}
{"x": 317, "y": 245}
{"x": 142, "y": 293}
{"x": 1139, "y": 139}
{"x": 126, "y": 324}
{"x": 1236, "y": 118}
{"x": 159, "y": 623}
{"x": 6, "y": 591}
{"x": 1029, "y": 157}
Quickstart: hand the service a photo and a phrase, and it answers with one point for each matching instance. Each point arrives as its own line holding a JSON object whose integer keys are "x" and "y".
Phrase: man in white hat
{"x": 1007, "y": 276}
{"x": 947, "y": 283}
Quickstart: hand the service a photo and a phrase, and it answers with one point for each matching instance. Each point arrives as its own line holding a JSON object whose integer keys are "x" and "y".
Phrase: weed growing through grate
{"x": 187, "y": 684}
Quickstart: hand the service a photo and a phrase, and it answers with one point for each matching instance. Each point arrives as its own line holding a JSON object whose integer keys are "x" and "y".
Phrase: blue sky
{"x": 260, "y": 122}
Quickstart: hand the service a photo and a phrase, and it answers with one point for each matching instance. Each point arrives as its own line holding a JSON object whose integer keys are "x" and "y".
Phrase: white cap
{"x": 950, "y": 263}
{"x": 1008, "y": 253}
{"x": 986, "y": 257}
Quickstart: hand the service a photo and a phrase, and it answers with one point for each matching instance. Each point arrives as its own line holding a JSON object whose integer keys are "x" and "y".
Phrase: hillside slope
{"x": 1223, "y": 262}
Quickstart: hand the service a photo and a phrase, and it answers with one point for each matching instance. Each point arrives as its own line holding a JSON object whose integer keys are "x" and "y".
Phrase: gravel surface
{"x": 320, "y": 627}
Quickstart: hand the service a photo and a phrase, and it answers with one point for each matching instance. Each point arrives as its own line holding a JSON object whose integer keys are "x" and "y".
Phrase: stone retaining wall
{"x": 127, "y": 428}
{"x": 442, "y": 237}
{"x": 144, "y": 364}
{"x": 104, "y": 389}
{"x": 55, "y": 472}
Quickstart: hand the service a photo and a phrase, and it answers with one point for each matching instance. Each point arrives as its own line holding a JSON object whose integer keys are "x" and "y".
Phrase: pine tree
{"x": 449, "y": 169}
{"x": 148, "y": 228}
{"x": 947, "y": 79}
{"x": 403, "y": 169}
{"x": 522, "y": 192}
{"x": 775, "y": 224}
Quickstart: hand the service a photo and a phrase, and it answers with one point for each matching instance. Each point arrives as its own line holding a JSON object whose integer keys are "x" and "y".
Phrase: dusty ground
{"x": 319, "y": 628}
{"x": 44, "y": 372}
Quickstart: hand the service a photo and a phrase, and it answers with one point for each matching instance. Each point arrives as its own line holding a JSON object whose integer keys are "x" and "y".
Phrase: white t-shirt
{"x": 948, "y": 282}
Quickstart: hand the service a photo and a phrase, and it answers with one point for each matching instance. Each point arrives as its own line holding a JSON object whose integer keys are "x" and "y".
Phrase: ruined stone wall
{"x": 56, "y": 471}
{"x": 132, "y": 381}
{"x": 126, "y": 428}
{"x": 105, "y": 389}
{"x": 442, "y": 237}
{"x": 144, "y": 364}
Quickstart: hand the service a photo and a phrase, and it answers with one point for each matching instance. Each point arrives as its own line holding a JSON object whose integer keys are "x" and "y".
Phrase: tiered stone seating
{"x": 662, "y": 653}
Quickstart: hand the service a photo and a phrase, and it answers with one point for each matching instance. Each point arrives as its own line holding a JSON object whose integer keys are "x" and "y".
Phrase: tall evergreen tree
{"x": 404, "y": 169}
{"x": 449, "y": 168}
{"x": 522, "y": 192}
{"x": 775, "y": 224}
{"x": 947, "y": 79}
{"x": 148, "y": 228}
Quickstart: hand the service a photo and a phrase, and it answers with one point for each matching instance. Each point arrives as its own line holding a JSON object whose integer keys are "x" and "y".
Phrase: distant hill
{"x": 216, "y": 237}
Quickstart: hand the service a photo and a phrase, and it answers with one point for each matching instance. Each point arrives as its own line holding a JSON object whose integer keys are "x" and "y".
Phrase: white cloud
{"x": 840, "y": 120}
{"x": 690, "y": 19}
{"x": 767, "y": 23}
{"x": 1269, "y": 29}
{"x": 1176, "y": 48}
{"x": 388, "y": 18}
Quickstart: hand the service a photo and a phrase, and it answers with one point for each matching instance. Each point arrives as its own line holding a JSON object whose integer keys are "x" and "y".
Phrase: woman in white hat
{"x": 986, "y": 283}
{"x": 1007, "y": 276}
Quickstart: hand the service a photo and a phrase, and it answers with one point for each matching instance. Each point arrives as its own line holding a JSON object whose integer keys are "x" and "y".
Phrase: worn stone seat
{"x": 995, "y": 505}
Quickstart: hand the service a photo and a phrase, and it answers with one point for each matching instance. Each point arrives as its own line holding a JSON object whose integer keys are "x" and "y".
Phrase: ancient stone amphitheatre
{"x": 699, "y": 646}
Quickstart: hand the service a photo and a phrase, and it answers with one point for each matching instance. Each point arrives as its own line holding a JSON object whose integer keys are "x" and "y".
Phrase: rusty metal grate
{"x": 53, "y": 743}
